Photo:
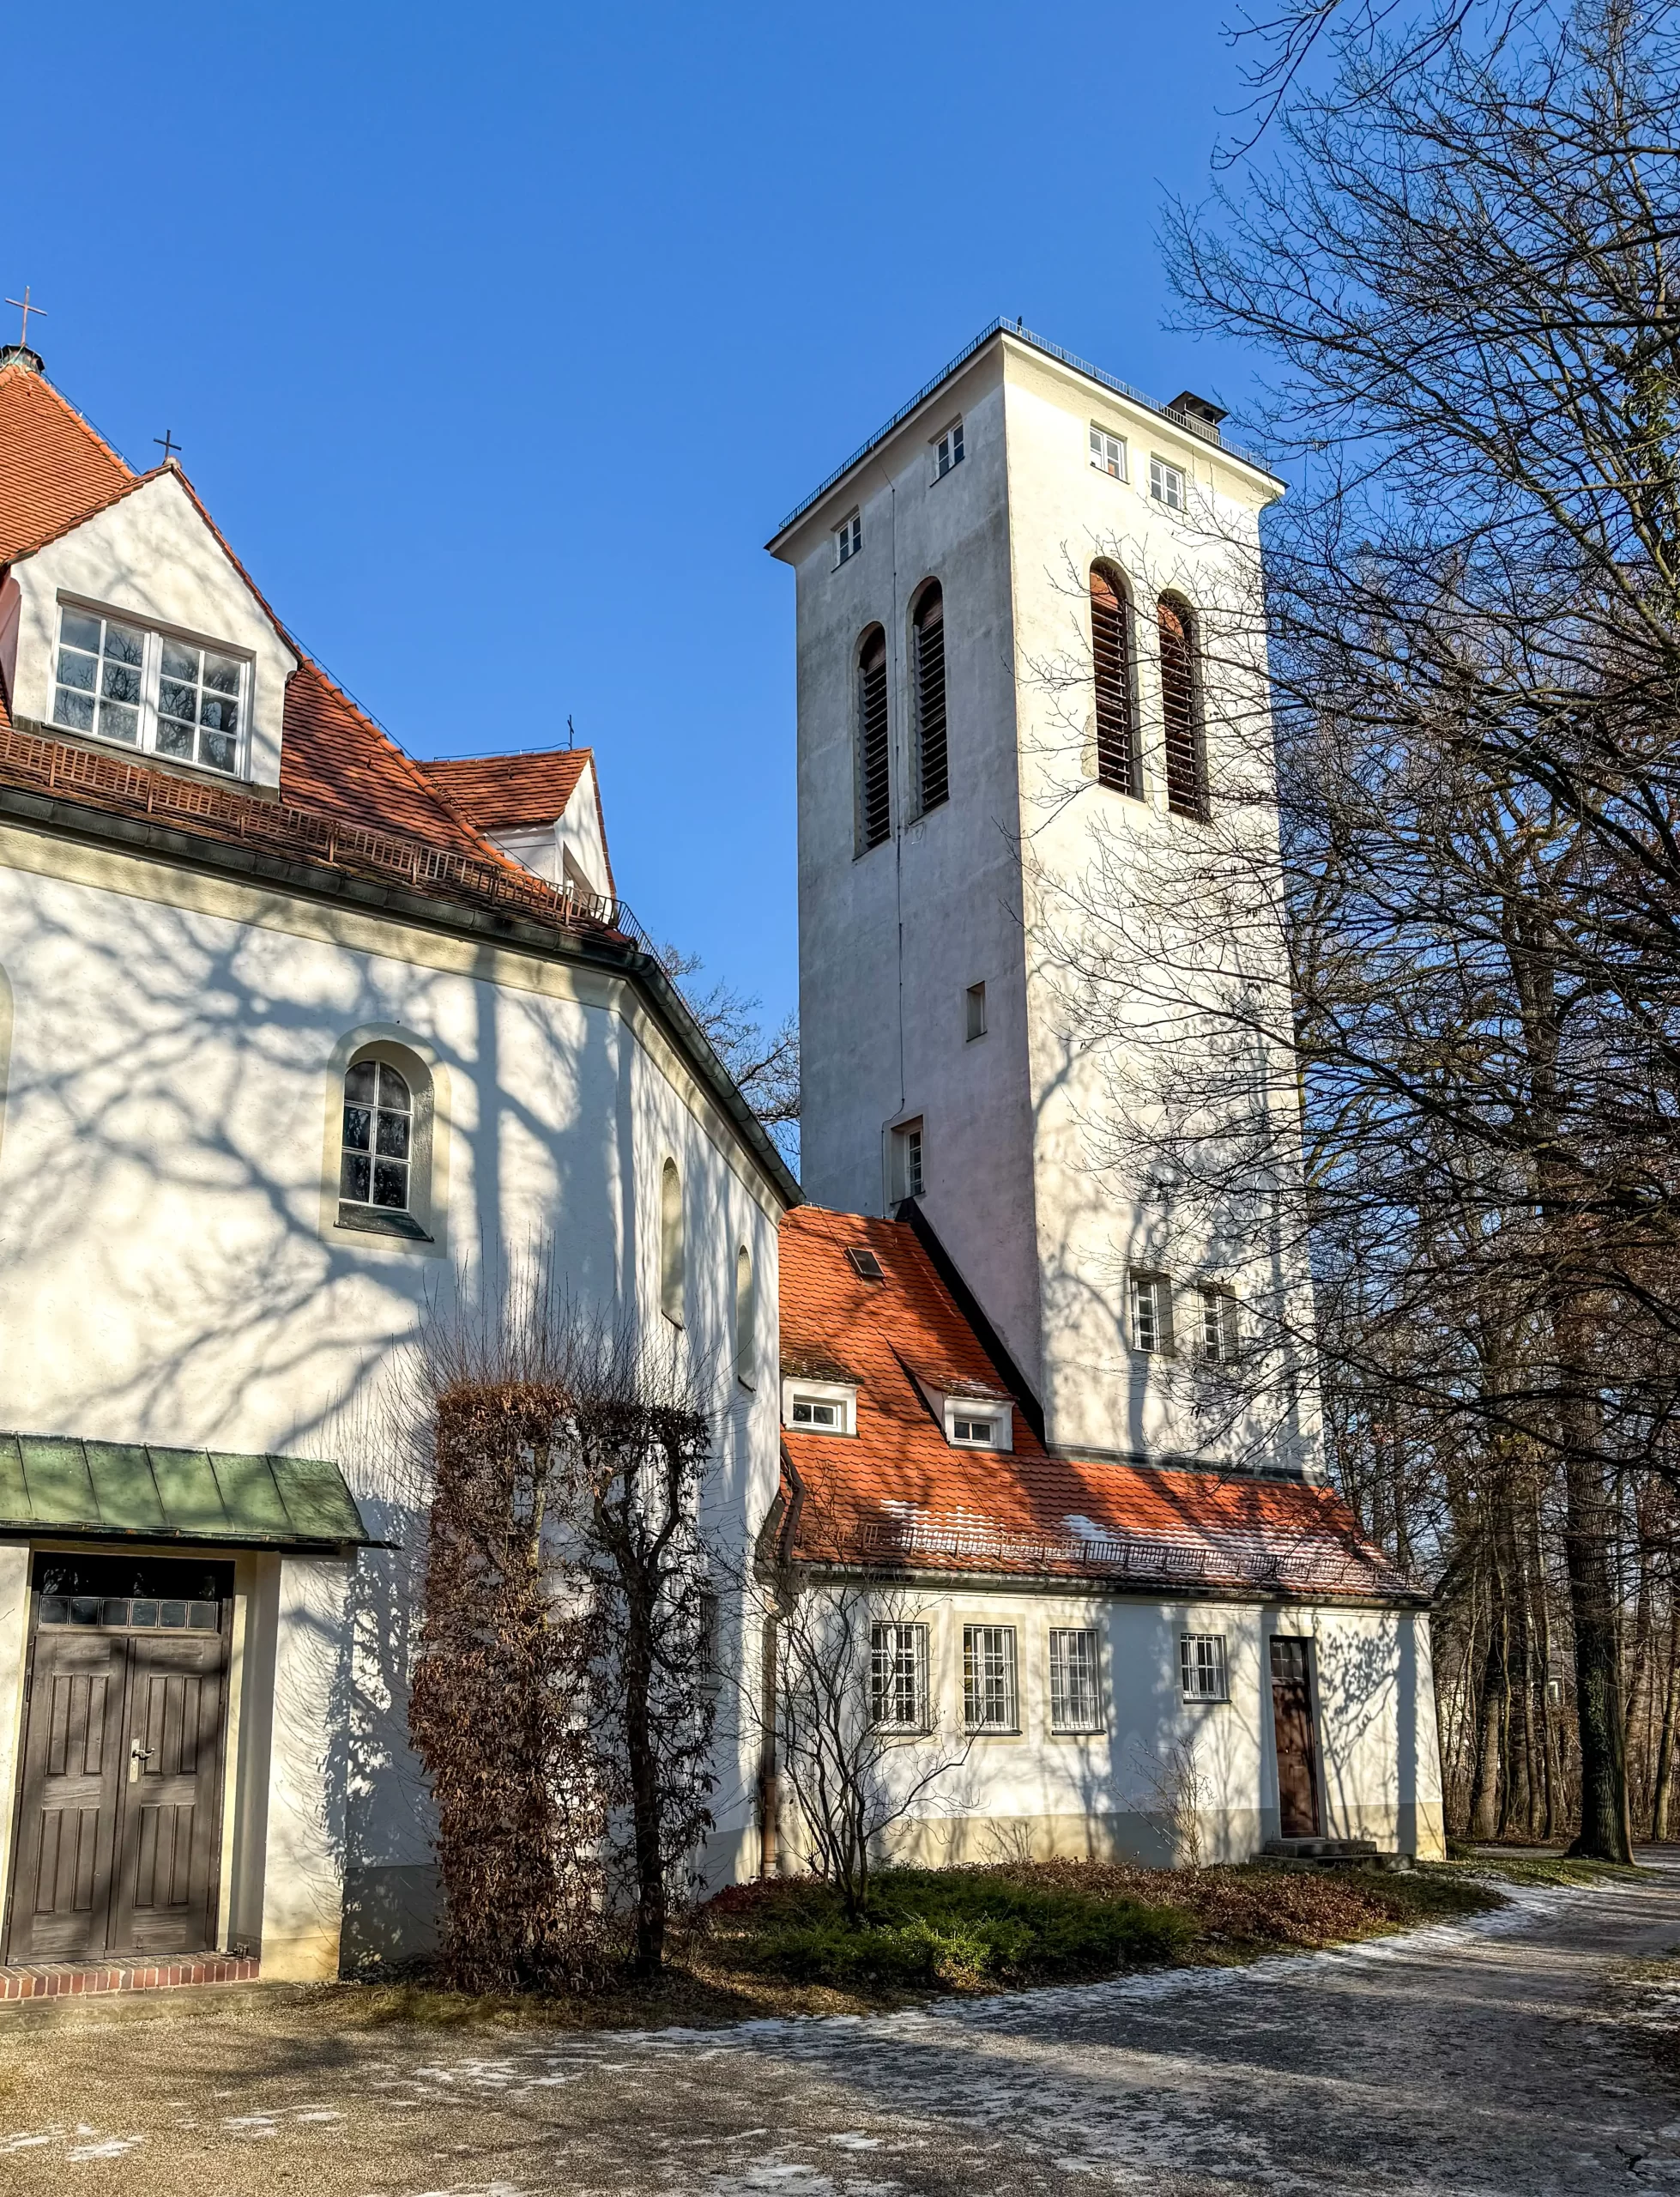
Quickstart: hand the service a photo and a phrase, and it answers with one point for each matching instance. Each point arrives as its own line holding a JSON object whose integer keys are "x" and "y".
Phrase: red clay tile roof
{"x": 897, "y": 1496}
{"x": 54, "y": 469}
{"x": 502, "y": 792}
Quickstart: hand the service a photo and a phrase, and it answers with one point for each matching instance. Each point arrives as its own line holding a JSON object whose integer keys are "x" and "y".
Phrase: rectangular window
{"x": 975, "y": 1012}
{"x": 908, "y": 1161}
{"x": 1166, "y": 484}
{"x": 948, "y": 450}
{"x": 148, "y": 690}
{"x": 1201, "y": 1666}
{"x": 705, "y": 1626}
{"x": 1074, "y": 1706}
{"x": 874, "y": 785}
{"x": 849, "y": 536}
{"x": 989, "y": 1703}
{"x": 898, "y": 1677}
{"x": 1152, "y": 1314}
{"x": 1108, "y": 453}
{"x": 976, "y": 1433}
{"x": 820, "y": 1414}
{"x": 1218, "y": 1325}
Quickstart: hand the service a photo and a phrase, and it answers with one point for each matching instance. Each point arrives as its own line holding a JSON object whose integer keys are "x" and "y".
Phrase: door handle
{"x": 137, "y": 1754}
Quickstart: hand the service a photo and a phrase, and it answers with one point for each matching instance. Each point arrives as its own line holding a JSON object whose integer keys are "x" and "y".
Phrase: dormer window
{"x": 818, "y": 1407}
{"x": 148, "y": 690}
{"x": 969, "y": 1433}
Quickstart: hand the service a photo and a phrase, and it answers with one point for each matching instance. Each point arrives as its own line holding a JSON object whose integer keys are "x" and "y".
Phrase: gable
{"x": 152, "y": 557}
{"x": 543, "y": 809}
{"x": 54, "y": 469}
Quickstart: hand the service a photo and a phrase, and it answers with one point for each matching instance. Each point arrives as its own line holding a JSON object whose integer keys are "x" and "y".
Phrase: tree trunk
{"x": 1484, "y": 1792}
{"x": 1663, "y": 1798}
{"x": 1605, "y": 1833}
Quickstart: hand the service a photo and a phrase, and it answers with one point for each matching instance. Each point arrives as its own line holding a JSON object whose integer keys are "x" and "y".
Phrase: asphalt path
{"x": 1505, "y": 2056}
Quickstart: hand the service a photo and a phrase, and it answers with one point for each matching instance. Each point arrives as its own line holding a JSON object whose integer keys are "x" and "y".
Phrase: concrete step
{"x": 1321, "y": 1850}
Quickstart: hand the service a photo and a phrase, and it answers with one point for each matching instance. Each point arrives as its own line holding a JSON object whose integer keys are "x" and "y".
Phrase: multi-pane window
{"x": 198, "y": 706}
{"x": 948, "y": 450}
{"x": 1202, "y": 1667}
{"x": 933, "y": 781}
{"x": 989, "y": 1703}
{"x": 1151, "y": 1313}
{"x": 1075, "y": 1703}
{"x": 1111, "y": 665}
{"x": 898, "y": 1677}
{"x": 909, "y": 1156}
{"x": 1186, "y": 790}
{"x": 1166, "y": 484}
{"x": 875, "y": 789}
{"x": 148, "y": 690}
{"x": 101, "y": 673}
{"x": 849, "y": 537}
{"x": 822, "y": 1414}
{"x": 378, "y": 1138}
{"x": 974, "y": 1433}
{"x": 1108, "y": 453}
{"x": 1218, "y": 1324}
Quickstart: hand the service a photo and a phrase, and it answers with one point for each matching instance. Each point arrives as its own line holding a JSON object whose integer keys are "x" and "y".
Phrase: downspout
{"x": 783, "y": 1592}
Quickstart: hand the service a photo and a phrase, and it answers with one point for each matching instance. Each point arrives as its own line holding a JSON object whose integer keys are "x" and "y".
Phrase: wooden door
{"x": 67, "y": 1819}
{"x": 119, "y": 1815}
{"x": 1298, "y": 1749}
{"x": 163, "y": 1890}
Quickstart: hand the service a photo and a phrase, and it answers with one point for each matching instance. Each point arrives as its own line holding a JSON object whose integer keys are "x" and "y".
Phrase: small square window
{"x": 1152, "y": 1314}
{"x": 975, "y": 1012}
{"x": 1202, "y": 1667}
{"x": 1108, "y": 453}
{"x": 1166, "y": 484}
{"x": 898, "y": 1677}
{"x": 1218, "y": 1325}
{"x": 989, "y": 1697}
{"x": 848, "y": 534}
{"x": 1074, "y": 1704}
{"x": 864, "y": 1263}
{"x": 948, "y": 450}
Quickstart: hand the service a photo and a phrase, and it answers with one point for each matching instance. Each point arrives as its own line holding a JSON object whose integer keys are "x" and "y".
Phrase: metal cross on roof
{"x": 168, "y": 443}
{"x": 26, "y": 309}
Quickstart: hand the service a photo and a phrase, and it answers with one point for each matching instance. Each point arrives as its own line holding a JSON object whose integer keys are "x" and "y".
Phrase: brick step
{"x": 77, "y": 1979}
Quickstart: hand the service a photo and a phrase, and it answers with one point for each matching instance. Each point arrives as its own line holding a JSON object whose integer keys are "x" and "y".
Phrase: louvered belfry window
{"x": 874, "y": 789}
{"x": 1187, "y": 795}
{"x": 1111, "y": 659}
{"x": 931, "y": 774}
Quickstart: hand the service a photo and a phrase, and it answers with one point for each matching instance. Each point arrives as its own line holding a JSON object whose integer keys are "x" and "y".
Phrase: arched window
{"x": 932, "y": 782}
{"x": 1111, "y": 662}
{"x": 670, "y": 1244}
{"x": 1187, "y": 787}
{"x": 745, "y": 1312}
{"x": 375, "y": 1173}
{"x": 874, "y": 792}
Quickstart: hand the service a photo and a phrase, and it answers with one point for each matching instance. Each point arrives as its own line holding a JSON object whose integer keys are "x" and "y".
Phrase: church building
{"x": 301, "y": 1036}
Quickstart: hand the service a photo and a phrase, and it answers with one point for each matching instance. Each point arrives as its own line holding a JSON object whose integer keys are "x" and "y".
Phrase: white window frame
{"x": 989, "y": 1641}
{"x": 1114, "y": 468}
{"x": 151, "y": 672}
{"x": 1220, "y": 1338}
{"x": 910, "y": 1159}
{"x": 947, "y": 449}
{"x": 839, "y": 1393}
{"x": 1163, "y": 474}
{"x": 848, "y": 538}
{"x": 889, "y": 1639}
{"x": 973, "y": 1411}
{"x": 1152, "y": 1328}
{"x": 1204, "y": 1667}
{"x": 1061, "y": 1720}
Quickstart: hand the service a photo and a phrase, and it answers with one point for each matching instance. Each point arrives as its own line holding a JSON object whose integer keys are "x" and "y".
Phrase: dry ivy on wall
{"x": 558, "y": 1703}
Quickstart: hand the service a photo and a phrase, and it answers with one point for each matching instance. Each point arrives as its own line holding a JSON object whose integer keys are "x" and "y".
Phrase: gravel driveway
{"x": 1487, "y": 2056}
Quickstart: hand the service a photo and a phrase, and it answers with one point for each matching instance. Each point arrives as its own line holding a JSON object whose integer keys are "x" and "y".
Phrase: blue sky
{"x": 500, "y": 340}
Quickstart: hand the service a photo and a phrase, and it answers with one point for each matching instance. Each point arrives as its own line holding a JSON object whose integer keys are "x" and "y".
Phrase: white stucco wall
{"x": 1101, "y": 1794}
{"x": 170, "y": 1270}
{"x": 574, "y": 834}
{"x": 151, "y": 558}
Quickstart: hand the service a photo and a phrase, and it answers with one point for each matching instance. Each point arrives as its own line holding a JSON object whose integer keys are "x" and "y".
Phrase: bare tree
{"x": 765, "y": 1064}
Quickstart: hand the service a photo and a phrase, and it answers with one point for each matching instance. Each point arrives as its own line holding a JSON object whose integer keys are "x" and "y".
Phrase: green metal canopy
{"x": 134, "y": 1490}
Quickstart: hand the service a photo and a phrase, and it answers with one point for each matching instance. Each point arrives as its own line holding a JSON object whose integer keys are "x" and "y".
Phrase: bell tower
{"x": 1001, "y": 682}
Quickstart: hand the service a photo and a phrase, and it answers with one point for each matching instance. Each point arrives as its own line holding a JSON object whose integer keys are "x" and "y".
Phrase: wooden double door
{"x": 120, "y": 1818}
